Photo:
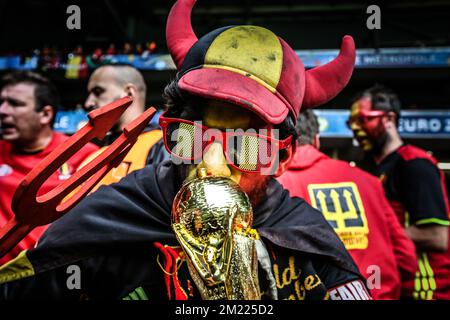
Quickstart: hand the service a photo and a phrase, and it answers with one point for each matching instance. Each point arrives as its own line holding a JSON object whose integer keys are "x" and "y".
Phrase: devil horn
{"x": 179, "y": 33}
{"x": 323, "y": 83}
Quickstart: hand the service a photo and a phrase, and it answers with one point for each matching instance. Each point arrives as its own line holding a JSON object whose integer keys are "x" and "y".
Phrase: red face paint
{"x": 366, "y": 123}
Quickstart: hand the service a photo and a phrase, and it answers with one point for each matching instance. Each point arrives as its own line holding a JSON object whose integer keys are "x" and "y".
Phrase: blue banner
{"x": 70, "y": 121}
{"x": 423, "y": 124}
{"x": 412, "y": 124}
{"x": 333, "y": 123}
{"x": 144, "y": 62}
{"x": 18, "y": 63}
{"x": 384, "y": 58}
{"x": 365, "y": 58}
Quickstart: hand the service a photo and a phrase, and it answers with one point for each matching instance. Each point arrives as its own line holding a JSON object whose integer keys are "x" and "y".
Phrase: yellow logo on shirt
{"x": 341, "y": 205}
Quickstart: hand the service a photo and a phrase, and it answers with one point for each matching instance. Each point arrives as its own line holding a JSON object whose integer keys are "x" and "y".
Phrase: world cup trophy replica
{"x": 212, "y": 218}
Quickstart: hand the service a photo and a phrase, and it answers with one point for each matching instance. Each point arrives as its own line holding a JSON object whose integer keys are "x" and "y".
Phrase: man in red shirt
{"x": 413, "y": 184}
{"x": 27, "y": 109}
{"x": 352, "y": 201}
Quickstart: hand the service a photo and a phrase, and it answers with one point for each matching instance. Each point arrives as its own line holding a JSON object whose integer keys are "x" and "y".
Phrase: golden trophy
{"x": 212, "y": 218}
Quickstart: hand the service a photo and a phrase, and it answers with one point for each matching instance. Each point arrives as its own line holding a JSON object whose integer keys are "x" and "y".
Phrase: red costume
{"x": 352, "y": 201}
{"x": 13, "y": 168}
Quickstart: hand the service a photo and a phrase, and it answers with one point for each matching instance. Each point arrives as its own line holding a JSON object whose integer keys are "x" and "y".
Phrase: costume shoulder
{"x": 423, "y": 192}
{"x": 409, "y": 152}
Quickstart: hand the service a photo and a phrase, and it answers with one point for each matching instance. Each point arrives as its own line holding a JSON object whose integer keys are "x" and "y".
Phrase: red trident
{"x": 32, "y": 211}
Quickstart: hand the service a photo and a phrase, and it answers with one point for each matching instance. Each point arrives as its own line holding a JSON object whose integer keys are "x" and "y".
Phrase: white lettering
{"x": 374, "y": 278}
{"x": 345, "y": 293}
{"x": 374, "y": 20}
{"x": 74, "y": 280}
{"x": 74, "y": 20}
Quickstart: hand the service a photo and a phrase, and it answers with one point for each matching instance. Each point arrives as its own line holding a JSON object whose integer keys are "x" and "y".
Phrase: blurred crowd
{"x": 79, "y": 60}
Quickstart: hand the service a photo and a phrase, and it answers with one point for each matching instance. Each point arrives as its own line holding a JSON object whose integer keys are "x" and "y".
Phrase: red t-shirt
{"x": 416, "y": 190}
{"x": 15, "y": 166}
{"x": 353, "y": 203}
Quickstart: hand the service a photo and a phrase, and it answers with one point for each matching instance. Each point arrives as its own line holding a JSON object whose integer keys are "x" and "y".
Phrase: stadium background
{"x": 410, "y": 53}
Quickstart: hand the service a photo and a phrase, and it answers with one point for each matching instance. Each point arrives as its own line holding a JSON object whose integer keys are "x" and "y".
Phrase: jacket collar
{"x": 305, "y": 157}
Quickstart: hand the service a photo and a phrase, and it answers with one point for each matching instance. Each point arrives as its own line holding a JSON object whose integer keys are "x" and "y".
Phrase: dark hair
{"x": 307, "y": 127}
{"x": 383, "y": 98}
{"x": 180, "y": 105}
{"x": 45, "y": 93}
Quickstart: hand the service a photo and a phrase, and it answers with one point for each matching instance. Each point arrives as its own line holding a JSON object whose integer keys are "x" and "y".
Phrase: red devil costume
{"x": 121, "y": 237}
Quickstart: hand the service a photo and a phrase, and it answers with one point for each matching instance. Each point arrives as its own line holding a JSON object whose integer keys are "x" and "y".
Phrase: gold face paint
{"x": 358, "y": 131}
{"x": 222, "y": 116}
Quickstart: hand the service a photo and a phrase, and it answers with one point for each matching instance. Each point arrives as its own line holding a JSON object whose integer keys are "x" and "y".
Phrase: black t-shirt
{"x": 416, "y": 190}
{"x": 414, "y": 186}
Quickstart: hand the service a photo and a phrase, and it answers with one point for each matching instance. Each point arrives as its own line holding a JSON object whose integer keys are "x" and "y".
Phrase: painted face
{"x": 366, "y": 124}
{"x": 222, "y": 116}
{"x": 19, "y": 120}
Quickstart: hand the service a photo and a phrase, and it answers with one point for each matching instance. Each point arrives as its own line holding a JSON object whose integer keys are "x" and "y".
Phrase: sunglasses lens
{"x": 249, "y": 152}
{"x": 184, "y": 140}
{"x": 246, "y": 151}
{"x": 359, "y": 120}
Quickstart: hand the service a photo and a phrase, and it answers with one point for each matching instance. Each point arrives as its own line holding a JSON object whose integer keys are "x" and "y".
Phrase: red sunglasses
{"x": 246, "y": 151}
{"x": 364, "y": 116}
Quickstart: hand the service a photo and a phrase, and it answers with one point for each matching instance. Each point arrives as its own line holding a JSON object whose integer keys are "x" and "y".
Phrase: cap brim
{"x": 225, "y": 85}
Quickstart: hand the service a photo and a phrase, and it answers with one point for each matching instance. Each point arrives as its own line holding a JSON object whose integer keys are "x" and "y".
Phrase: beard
{"x": 378, "y": 143}
{"x": 373, "y": 141}
{"x": 254, "y": 188}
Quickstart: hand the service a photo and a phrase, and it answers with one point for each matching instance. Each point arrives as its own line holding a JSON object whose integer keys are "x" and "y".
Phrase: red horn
{"x": 325, "y": 82}
{"x": 179, "y": 33}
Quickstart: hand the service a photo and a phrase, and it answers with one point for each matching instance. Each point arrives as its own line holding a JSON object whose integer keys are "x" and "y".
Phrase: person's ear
{"x": 286, "y": 160}
{"x": 131, "y": 90}
{"x": 316, "y": 142}
{"x": 46, "y": 115}
{"x": 390, "y": 119}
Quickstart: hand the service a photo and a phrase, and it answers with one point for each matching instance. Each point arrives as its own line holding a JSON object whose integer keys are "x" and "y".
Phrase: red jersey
{"x": 353, "y": 203}
{"x": 416, "y": 189}
{"x": 15, "y": 166}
